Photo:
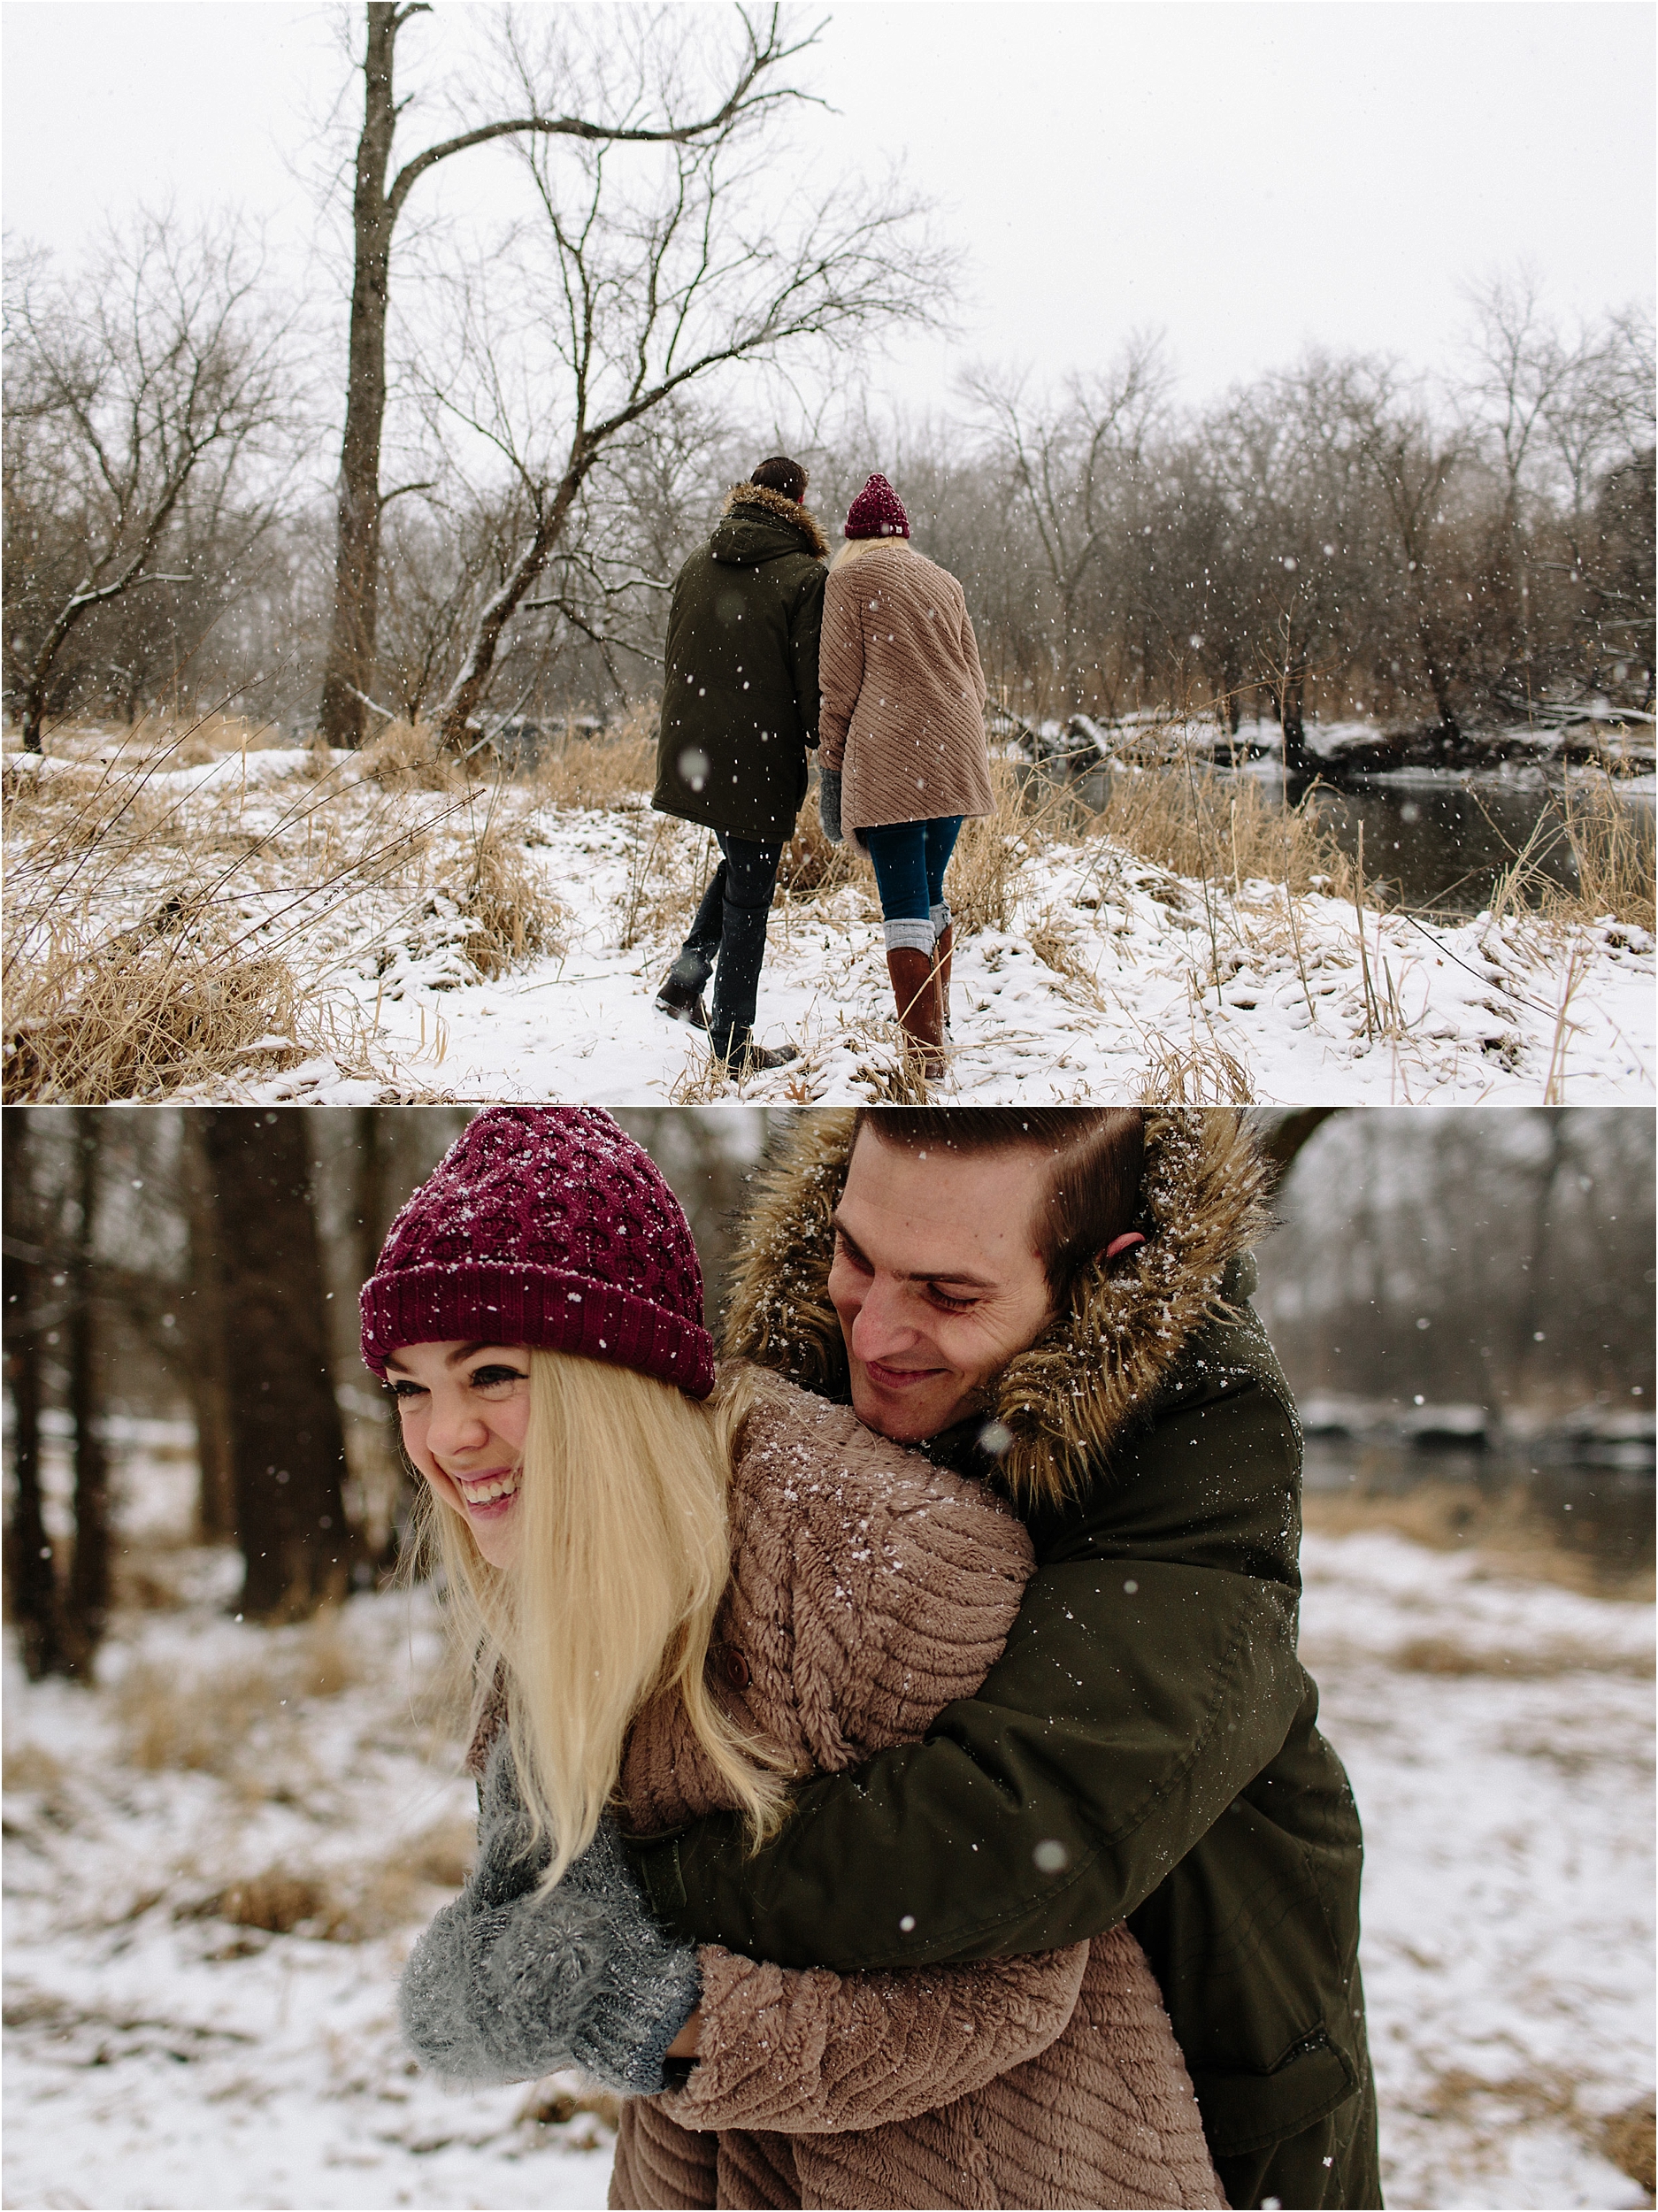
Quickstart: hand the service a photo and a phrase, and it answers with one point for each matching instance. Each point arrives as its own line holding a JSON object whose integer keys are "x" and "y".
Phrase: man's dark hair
{"x": 1097, "y": 1152}
{"x": 781, "y": 474}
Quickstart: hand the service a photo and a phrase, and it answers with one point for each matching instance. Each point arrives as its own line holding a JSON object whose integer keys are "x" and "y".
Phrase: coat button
{"x": 736, "y": 1669}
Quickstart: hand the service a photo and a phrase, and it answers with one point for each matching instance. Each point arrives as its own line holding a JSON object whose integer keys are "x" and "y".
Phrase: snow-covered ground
{"x": 1112, "y": 977}
{"x": 161, "y": 2052}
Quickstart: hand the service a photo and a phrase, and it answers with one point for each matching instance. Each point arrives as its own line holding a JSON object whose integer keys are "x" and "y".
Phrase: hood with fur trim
{"x": 759, "y": 503}
{"x": 1100, "y": 1365}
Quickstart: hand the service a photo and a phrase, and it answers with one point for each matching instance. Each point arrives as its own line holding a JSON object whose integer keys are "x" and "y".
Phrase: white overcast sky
{"x": 1249, "y": 178}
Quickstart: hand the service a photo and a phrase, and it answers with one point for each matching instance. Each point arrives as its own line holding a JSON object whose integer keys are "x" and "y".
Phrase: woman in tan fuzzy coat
{"x": 901, "y": 728}
{"x": 869, "y": 1590}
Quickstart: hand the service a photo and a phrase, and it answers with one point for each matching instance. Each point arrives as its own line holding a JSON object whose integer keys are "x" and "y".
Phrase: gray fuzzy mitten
{"x": 829, "y": 804}
{"x": 509, "y": 1983}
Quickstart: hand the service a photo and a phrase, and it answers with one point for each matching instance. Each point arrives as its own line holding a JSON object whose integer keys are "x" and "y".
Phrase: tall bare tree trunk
{"x": 209, "y": 1376}
{"x": 30, "y": 1576}
{"x": 86, "y": 1609}
{"x": 350, "y": 667}
{"x": 289, "y": 1446}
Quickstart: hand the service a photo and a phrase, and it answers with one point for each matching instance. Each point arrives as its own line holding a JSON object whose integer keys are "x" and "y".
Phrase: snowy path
{"x": 1498, "y": 1735}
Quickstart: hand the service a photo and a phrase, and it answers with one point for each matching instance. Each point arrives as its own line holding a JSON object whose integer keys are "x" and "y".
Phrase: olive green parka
{"x": 1145, "y": 1749}
{"x": 739, "y": 687}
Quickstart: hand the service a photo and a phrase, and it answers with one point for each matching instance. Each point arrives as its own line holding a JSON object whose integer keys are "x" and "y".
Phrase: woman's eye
{"x": 493, "y": 1378}
{"x": 403, "y": 1392}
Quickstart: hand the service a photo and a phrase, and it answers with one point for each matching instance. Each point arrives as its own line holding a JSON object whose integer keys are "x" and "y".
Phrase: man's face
{"x": 936, "y": 1278}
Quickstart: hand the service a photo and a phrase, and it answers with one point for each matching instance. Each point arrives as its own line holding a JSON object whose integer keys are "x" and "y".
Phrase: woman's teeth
{"x": 485, "y": 1492}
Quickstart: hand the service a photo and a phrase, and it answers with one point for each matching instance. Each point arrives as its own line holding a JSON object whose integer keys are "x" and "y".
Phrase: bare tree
{"x": 30, "y": 1572}
{"x": 148, "y": 379}
{"x": 1073, "y": 470}
{"x": 287, "y": 1439}
{"x": 661, "y": 89}
{"x": 619, "y": 298}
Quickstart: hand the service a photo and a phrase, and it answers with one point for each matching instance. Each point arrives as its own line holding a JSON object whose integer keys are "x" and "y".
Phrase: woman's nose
{"x": 455, "y": 1428}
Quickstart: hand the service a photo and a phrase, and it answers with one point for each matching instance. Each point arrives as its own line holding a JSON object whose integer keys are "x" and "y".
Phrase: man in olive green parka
{"x": 739, "y": 711}
{"x": 1145, "y": 1749}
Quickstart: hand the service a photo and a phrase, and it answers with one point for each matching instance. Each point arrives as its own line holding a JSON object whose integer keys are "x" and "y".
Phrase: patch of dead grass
{"x": 407, "y": 756}
{"x": 202, "y": 1722}
{"x": 605, "y": 769}
{"x": 1226, "y": 830}
{"x": 1629, "y": 2140}
{"x": 90, "y": 1018}
{"x": 516, "y": 918}
{"x": 1544, "y": 1663}
{"x": 1511, "y": 1540}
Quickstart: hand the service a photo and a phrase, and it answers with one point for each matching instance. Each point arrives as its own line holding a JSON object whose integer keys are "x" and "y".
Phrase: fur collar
{"x": 1097, "y": 1366}
{"x": 780, "y": 508}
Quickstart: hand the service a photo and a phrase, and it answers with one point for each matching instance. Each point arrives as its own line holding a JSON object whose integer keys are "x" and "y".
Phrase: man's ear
{"x": 1125, "y": 1242}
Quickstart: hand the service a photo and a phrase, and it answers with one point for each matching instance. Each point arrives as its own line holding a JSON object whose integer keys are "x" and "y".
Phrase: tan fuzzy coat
{"x": 869, "y": 1591}
{"x": 903, "y": 716}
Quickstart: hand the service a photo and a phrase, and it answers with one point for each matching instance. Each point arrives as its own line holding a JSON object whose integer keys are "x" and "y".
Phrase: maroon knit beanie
{"x": 544, "y": 1225}
{"x": 877, "y": 512}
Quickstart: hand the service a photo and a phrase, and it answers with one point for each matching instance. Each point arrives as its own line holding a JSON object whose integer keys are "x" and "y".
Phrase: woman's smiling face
{"x": 466, "y": 1411}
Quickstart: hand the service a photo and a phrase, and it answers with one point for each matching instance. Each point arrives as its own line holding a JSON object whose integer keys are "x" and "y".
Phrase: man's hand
{"x": 510, "y": 1981}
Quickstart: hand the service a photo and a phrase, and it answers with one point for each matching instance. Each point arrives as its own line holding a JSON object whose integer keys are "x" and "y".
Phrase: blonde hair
{"x": 623, "y": 1555}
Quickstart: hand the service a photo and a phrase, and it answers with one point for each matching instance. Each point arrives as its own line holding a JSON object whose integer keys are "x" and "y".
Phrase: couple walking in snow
{"x": 874, "y": 661}
{"x": 897, "y": 1780}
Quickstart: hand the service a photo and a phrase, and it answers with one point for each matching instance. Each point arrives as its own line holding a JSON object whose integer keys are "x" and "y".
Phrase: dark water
{"x": 1440, "y": 842}
{"x": 1599, "y": 1505}
{"x": 1438, "y": 838}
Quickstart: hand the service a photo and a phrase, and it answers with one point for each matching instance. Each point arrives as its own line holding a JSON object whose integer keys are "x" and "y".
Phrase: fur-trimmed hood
{"x": 757, "y": 502}
{"x": 1102, "y": 1362}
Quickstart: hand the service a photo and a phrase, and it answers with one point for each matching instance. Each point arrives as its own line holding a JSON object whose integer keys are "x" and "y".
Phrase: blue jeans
{"x": 911, "y": 858}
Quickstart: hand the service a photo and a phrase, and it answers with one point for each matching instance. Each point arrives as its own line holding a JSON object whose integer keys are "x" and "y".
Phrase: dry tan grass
{"x": 1224, "y": 830}
{"x": 1444, "y": 1655}
{"x": 517, "y": 918}
{"x": 1509, "y": 1537}
{"x": 811, "y": 864}
{"x": 1054, "y": 939}
{"x": 1200, "y": 1072}
{"x": 992, "y": 849}
{"x": 32, "y": 1766}
{"x": 353, "y": 1905}
{"x": 407, "y": 756}
{"x": 1609, "y": 842}
{"x": 614, "y": 767}
{"x": 553, "y": 2104}
{"x": 87, "y": 1021}
{"x": 202, "y": 1722}
{"x": 1629, "y": 2139}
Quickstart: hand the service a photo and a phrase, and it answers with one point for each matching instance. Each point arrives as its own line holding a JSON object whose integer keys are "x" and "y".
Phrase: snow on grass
{"x": 1111, "y": 976}
{"x": 163, "y": 2051}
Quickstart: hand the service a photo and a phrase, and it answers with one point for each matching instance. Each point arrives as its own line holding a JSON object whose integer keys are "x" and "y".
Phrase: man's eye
{"x": 951, "y": 1305}
{"x": 851, "y": 1255}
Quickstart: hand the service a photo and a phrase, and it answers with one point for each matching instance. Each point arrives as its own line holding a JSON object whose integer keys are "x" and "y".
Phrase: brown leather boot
{"x": 916, "y": 993}
{"x": 942, "y": 962}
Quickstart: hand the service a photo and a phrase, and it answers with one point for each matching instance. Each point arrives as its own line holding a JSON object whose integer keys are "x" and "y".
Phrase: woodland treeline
{"x": 201, "y": 1264}
{"x": 454, "y": 491}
